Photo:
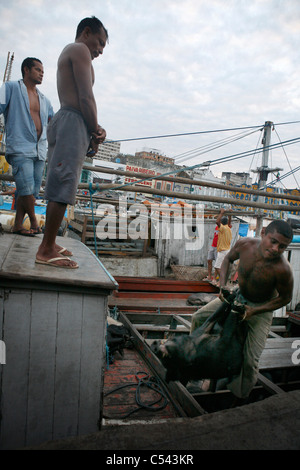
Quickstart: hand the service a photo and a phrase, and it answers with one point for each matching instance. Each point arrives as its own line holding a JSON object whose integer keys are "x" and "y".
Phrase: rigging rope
{"x": 254, "y": 154}
{"x": 92, "y": 191}
{"x": 199, "y": 132}
{"x": 288, "y": 160}
{"x": 212, "y": 146}
{"x": 209, "y": 163}
{"x": 289, "y": 173}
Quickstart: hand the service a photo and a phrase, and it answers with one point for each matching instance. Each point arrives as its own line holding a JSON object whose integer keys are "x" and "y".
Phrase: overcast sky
{"x": 177, "y": 67}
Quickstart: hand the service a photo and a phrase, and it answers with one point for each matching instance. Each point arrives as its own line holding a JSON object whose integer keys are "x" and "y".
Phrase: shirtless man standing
{"x": 265, "y": 284}
{"x": 27, "y": 113}
{"x": 73, "y": 130}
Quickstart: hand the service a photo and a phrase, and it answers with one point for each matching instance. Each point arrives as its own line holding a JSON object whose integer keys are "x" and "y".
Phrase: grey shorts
{"x": 68, "y": 141}
{"x": 212, "y": 253}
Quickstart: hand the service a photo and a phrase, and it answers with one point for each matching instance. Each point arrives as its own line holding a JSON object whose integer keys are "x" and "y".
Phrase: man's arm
{"x": 4, "y": 97}
{"x": 233, "y": 255}
{"x": 218, "y": 221}
{"x": 82, "y": 69}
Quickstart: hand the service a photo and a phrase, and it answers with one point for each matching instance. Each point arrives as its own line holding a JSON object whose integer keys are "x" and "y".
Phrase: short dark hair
{"x": 282, "y": 227}
{"x": 93, "y": 23}
{"x": 28, "y": 62}
{"x": 224, "y": 220}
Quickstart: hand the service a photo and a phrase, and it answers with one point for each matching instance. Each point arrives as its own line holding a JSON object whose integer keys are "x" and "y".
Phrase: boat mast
{"x": 6, "y": 78}
{"x": 264, "y": 171}
{"x": 8, "y": 68}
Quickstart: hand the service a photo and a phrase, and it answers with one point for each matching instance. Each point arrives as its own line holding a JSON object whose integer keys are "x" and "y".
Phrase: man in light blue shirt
{"x": 26, "y": 112}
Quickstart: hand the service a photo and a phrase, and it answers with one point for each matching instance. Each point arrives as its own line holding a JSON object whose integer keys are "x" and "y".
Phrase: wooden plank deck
{"x": 17, "y": 262}
{"x": 162, "y": 285}
{"x": 158, "y": 295}
{"x": 276, "y": 355}
{"x": 152, "y": 305}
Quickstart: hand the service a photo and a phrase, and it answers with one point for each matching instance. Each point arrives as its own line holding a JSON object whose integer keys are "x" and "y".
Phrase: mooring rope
{"x": 92, "y": 191}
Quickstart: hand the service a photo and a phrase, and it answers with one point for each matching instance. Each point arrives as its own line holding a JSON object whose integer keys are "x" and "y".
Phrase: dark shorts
{"x": 68, "y": 141}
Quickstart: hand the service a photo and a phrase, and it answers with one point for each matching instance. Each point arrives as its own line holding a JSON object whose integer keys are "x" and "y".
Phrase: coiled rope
{"x": 150, "y": 382}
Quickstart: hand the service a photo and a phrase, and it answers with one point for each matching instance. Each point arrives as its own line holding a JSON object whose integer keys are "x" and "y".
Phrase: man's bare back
{"x": 66, "y": 83}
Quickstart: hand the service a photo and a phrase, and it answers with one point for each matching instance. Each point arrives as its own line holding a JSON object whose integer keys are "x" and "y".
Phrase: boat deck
{"x": 130, "y": 392}
{"x": 156, "y": 309}
{"x": 157, "y": 295}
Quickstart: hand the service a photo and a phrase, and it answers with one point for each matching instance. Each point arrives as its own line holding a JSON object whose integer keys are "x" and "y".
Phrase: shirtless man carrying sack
{"x": 265, "y": 284}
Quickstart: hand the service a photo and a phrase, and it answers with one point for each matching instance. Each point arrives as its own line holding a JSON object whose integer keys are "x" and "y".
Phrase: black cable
{"x": 293, "y": 173}
{"x": 217, "y": 161}
{"x": 184, "y": 134}
{"x": 150, "y": 382}
{"x": 289, "y": 173}
{"x": 199, "y": 132}
{"x": 179, "y": 159}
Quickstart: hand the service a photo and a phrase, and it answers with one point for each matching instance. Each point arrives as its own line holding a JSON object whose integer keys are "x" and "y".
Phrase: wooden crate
{"x": 117, "y": 242}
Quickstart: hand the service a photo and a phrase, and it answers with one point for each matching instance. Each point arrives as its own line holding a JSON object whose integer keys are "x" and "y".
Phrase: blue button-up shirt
{"x": 21, "y": 135}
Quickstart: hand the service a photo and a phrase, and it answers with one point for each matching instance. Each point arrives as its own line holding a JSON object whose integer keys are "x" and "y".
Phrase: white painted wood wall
{"x": 293, "y": 256}
{"x": 179, "y": 249}
{"x": 53, "y": 325}
{"x": 55, "y": 355}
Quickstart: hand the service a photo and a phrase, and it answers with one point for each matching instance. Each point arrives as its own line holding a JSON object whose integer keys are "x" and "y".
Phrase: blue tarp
{"x": 6, "y": 206}
{"x": 243, "y": 230}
